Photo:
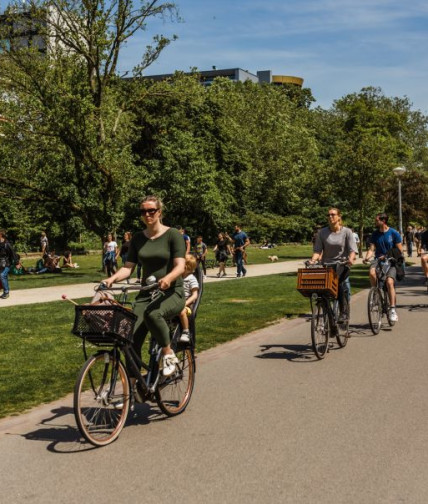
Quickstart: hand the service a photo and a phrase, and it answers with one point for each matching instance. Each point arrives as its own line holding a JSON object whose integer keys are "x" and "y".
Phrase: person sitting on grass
{"x": 191, "y": 290}
{"x": 50, "y": 264}
{"x": 18, "y": 267}
{"x": 67, "y": 261}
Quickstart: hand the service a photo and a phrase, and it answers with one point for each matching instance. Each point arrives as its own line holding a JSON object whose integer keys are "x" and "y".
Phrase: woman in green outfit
{"x": 160, "y": 250}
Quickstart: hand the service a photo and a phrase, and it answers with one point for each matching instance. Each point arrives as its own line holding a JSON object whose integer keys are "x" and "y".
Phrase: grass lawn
{"x": 40, "y": 358}
{"x": 90, "y": 266}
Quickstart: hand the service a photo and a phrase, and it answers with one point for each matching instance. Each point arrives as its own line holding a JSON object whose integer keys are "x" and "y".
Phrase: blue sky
{"x": 338, "y": 47}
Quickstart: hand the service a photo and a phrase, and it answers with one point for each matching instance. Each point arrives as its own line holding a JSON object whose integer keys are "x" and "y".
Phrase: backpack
{"x": 398, "y": 261}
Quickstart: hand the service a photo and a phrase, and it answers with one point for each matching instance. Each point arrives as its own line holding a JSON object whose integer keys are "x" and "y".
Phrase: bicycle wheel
{"x": 320, "y": 328}
{"x": 342, "y": 333}
{"x": 101, "y": 399}
{"x": 174, "y": 392}
{"x": 374, "y": 309}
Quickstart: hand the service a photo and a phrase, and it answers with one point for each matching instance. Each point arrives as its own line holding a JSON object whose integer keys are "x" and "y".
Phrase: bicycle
{"x": 320, "y": 282}
{"x": 378, "y": 303}
{"x": 103, "y": 394}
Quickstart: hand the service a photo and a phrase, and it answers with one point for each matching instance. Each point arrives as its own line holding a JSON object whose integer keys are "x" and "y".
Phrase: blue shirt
{"x": 385, "y": 241}
{"x": 239, "y": 238}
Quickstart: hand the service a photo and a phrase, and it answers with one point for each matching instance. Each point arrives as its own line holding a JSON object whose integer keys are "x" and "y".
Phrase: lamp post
{"x": 399, "y": 172}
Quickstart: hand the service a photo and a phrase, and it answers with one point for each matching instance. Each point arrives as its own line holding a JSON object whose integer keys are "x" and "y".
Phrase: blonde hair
{"x": 155, "y": 199}
{"x": 190, "y": 263}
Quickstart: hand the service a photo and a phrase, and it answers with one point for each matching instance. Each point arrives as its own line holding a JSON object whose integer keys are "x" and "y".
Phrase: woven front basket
{"x": 104, "y": 324}
{"x": 317, "y": 280}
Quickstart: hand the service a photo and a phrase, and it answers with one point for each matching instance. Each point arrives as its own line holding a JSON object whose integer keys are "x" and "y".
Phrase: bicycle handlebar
{"x": 320, "y": 264}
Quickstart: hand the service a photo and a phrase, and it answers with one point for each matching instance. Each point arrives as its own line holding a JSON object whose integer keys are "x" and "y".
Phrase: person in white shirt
{"x": 111, "y": 252}
{"x": 191, "y": 290}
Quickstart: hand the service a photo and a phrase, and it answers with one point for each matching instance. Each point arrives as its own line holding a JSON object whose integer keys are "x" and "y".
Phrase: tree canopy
{"x": 80, "y": 144}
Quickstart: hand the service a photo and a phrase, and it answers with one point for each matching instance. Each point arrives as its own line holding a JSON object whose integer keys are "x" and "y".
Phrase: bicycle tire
{"x": 174, "y": 392}
{"x": 320, "y": 328}
{"x": 101, "y": 399}
{"x": 342, "y": 334}
{"x": 375, "y": 310}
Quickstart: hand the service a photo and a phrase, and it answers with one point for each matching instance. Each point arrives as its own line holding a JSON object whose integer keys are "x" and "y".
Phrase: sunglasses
{"x": 148, "y": 211}
{"x": 331, "y": 214}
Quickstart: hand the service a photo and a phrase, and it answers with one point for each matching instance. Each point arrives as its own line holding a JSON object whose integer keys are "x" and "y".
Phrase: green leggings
{"x": 152, "y": 316}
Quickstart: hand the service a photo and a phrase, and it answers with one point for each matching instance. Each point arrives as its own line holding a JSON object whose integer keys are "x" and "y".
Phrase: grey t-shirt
{"x": 334, "y": 245}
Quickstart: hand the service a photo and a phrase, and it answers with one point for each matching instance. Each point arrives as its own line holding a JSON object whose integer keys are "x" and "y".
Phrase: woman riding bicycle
{"x": 334, "y": 243}
{"x": 160, "y": 250}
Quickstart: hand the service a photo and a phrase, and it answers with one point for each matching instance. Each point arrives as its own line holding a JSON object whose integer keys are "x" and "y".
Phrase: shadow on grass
{"x": 62, "y": 435}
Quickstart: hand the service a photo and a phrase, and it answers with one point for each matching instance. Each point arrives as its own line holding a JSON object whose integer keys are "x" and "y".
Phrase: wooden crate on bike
{"x": 104, "y": 324}
{"x": 317, "y": 280}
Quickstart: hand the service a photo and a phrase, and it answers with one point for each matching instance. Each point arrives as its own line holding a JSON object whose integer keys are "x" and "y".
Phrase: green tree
{"x": 70, "y": 129}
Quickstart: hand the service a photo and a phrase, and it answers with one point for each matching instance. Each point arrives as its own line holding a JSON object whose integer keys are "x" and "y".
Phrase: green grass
{"x": 40, "y": 358}
{"x": 90, "y": 266}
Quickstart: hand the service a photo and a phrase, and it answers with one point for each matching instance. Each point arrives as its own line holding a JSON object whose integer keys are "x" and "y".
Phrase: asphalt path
{"x": 267, "y": 423}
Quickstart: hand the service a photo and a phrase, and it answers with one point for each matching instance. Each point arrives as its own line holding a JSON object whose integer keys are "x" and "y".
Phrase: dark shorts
{"x": 392, "y": 272}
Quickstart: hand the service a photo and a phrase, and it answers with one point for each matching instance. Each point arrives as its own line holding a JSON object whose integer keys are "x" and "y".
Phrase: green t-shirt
{"x": 157, "y": 255}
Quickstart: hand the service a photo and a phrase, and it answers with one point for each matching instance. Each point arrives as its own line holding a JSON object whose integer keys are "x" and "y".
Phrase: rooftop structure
{"x": 236, "y": 75}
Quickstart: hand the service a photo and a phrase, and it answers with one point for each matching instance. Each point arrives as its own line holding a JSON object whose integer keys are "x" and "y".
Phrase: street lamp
{"x": 399, "y": 172}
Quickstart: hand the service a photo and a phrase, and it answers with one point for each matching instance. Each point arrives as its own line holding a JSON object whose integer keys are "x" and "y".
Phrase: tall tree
{"x": 70, "y": 129}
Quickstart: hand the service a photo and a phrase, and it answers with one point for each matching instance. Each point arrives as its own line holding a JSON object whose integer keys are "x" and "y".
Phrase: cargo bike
{"x": 320, "y": 283}
{"x": 103, "y": 393}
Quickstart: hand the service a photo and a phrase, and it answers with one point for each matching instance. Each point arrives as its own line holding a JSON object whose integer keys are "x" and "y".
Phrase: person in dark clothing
{"x": 124, "y": 249}
{"x": 7, "y": 257}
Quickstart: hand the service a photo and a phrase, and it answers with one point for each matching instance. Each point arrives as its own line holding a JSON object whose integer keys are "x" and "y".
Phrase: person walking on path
{"x": 409, "y": 237}
{"x": 240, "y": 243}
{"x": 186, "y": 238}
{"x": 222, "y": 252}
{"x": 201, "y": 253}
{"x": 7, "y": 257}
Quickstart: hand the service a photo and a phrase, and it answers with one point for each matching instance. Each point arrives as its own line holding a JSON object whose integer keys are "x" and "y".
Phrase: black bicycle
{"x": 330, "y": 318}
{"x": 103, "y": 394}
{"x": 378, "y": 304}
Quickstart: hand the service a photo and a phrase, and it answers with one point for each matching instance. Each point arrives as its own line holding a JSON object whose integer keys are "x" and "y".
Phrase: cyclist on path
{"x": 160, "y": 250}
{"x": 382, "y": 241}
{"x": 332, "y": 244}
{"x": 424, "y": 254}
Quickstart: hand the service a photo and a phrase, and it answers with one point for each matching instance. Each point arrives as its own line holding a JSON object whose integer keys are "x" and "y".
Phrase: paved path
{"x": 76, "y": 291}
{"x": 267, "y": 423}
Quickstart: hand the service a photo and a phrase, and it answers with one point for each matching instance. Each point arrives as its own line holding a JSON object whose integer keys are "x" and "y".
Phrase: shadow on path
{"x": 62, "y": 435}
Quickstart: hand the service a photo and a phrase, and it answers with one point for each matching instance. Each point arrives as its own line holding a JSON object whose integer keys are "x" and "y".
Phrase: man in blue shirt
{"x": 381, "y": 241}
{"x": 240, "y": 243}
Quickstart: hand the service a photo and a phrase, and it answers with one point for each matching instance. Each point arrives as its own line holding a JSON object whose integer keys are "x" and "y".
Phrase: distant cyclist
{"x": 332, "y": 244}
{"x": 383, "y": 240}
{"x": 424, "y": 254}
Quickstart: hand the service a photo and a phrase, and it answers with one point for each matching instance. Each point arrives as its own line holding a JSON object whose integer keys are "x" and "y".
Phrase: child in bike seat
{"x": 191, "y": 291}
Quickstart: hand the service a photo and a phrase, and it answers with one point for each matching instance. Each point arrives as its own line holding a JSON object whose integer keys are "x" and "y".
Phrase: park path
{"x": 267, "y": 423}
{"x": 76, "y": 291}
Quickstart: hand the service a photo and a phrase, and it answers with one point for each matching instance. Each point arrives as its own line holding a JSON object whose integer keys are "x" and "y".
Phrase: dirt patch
{"x": 240, "y": 300}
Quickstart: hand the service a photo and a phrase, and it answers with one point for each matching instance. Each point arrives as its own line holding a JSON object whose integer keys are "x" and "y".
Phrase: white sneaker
{"x": 185, "y": 337}
{"x": 169, "y": 362}
{"x": 393, "y": 315}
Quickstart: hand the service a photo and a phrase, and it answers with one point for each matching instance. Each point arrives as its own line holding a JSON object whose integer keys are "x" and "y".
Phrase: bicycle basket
{"x": 104, "y": 324}
{"x": 317, "y": 280}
